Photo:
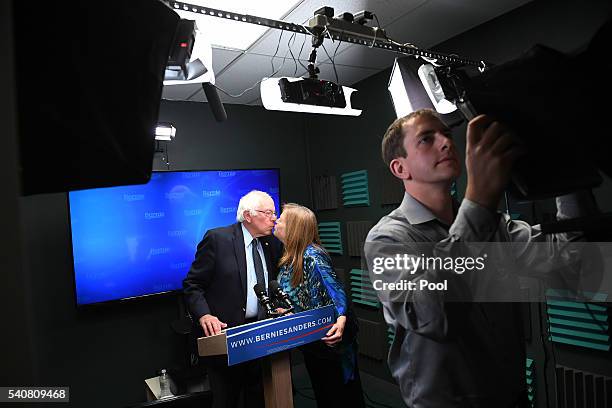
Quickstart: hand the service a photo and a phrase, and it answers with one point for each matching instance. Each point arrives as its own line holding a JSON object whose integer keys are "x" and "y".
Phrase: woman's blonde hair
{"x": 300, "y": 231}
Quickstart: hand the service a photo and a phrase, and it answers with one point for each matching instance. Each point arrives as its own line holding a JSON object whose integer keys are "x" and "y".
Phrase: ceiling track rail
{"x": 382, "y": 42}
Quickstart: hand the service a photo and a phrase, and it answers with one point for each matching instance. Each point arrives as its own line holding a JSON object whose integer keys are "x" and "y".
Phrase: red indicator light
{"x": 183, "y": 45}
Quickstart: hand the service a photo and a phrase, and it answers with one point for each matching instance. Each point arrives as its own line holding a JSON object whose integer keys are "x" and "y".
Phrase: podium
{"x": 270, "y": 339}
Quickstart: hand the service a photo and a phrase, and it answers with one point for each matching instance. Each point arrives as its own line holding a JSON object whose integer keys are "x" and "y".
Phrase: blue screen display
{"x": 139, "y": 240}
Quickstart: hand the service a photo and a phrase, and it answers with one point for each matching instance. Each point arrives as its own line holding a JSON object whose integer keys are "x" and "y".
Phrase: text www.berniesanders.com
{"x": 281, "y": 332}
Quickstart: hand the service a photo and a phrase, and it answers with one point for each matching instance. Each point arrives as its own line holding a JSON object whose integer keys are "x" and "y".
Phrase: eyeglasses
{"x": 268, "y": 213}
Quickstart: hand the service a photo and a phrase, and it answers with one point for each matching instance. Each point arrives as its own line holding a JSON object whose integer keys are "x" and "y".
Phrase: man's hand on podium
{"x": 282, "y": 312}
{"x": 211, "y": 325}
{"x": 334, "y": 335}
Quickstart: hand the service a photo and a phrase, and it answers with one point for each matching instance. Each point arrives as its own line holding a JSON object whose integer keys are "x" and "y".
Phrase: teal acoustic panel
{"x": 390, "y": 335}
{"x": 355, "y": 190}
{"x": 362, "y": 291}
{"x": 577, "y": 323}
{"x": 453, "y": 191}
{"x": 531, "y": 377}
{"x": 331, "y": 237}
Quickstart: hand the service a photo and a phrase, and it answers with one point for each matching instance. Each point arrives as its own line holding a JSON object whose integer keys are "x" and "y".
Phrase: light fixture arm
{"x": 317, "y": 40}
{"x": 312, "y": 70}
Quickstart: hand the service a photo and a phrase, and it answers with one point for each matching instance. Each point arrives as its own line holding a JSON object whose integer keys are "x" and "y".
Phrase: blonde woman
{"x": 306, "y": 274}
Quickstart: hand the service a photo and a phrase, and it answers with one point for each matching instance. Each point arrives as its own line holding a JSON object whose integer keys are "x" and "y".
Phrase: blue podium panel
{"x": 266, "y": 337}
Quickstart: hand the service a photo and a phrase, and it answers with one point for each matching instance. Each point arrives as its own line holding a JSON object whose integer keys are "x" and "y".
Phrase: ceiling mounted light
{"x": 190, "y": 60}
{"x": 406, "y": 88}
{"x": 434, "y": 90}
{"x": 308, "y": 95}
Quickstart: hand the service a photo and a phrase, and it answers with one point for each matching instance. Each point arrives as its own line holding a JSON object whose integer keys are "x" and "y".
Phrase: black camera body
{"x": 310, "y": 91}
{"x": 555, "y": 103}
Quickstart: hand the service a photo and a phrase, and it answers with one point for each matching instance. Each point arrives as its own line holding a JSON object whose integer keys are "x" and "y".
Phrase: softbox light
{"x": 413, "y": 85}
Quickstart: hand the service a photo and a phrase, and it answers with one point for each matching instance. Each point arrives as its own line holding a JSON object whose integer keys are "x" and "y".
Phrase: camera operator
{"x": 459, "y": 354}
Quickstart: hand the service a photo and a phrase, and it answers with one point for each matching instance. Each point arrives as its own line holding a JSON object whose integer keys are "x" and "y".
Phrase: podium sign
{"x": 266, "y": 337}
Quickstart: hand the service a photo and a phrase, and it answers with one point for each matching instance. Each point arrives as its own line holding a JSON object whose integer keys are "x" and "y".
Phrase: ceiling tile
{"x": 245, "y": 73}
{"x": 226, "y": 32}
{"x": 365, "y": 57}
{"x": 221, "y": 57}
{"x": 347, "y": 75}
{"x": 179, "y": 92}
{"x": 438, "y": 20}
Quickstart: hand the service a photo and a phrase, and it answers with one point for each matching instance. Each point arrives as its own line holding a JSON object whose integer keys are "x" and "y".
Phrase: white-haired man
{"x": 219, "y": 290}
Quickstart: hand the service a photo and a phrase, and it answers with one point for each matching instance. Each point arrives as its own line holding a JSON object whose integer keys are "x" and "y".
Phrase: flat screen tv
{"x": 140, "y": 240}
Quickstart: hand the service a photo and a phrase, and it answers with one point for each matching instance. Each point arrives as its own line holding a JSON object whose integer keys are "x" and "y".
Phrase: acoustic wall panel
{"x": 362, "y": 291}
{"x": 580, "y": 324}
{"x": 577, "y": 389}
{"x": 331, "y": 237}
{"x": 390, "y": 335}
{"x": 325, "y": 193}
{"x": 356, "y": 232}
{"x": 530, "y": 375}
{"x": 355, "y": 190}
{"x": 340, "y": 274}
{"x": 372, "y": 339}
{"x": 526, "y": 314}
{"x": 392, "y": 188}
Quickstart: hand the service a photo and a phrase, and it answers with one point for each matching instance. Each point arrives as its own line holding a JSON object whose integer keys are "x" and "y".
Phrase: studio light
{"x": 434, "y": 90}
{"x": 414, "y": 85}
{"x": 165, "y": 132}
{"x": 190, "y": 60}
{"x": 308, "y": 95}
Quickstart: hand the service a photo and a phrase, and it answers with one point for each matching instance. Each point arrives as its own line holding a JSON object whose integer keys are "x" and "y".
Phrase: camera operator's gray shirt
{"x": 459, "y": 354}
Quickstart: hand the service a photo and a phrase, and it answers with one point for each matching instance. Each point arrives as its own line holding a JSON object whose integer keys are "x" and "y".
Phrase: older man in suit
{"x": 219, "y": 290}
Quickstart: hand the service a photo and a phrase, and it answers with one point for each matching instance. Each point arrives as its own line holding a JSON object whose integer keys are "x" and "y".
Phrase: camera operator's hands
{"x": 211, "y": 325}
{"x": 490, "y": 153}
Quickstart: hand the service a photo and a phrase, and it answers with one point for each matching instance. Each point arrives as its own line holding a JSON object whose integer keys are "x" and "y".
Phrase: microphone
{"x": 214, "y": 102}
{"x": 278, "y": 293}
{"x": 264, "y": 300}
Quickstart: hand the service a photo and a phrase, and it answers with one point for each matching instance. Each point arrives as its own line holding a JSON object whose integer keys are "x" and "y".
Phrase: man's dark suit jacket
{"x": 216, "y": 282}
